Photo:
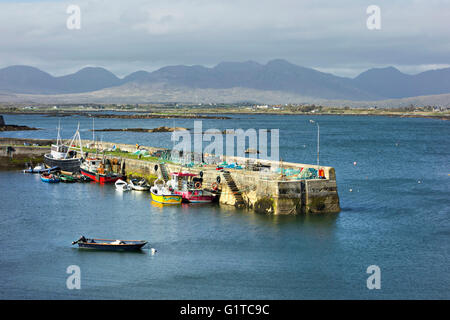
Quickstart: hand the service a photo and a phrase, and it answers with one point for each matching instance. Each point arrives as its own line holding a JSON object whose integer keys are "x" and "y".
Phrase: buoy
{"x": 354, "y": 163}
{"x": 152, "y": 251}
{"x": 350, "y": 190}
{"x": 419, "y": 181}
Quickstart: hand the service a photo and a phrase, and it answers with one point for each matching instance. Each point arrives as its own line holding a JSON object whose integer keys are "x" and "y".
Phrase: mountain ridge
{"x": 276, "y": 75}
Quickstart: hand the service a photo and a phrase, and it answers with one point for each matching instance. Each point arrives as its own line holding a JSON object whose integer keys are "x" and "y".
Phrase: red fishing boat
{"x": 189, "y": 186}
{"x": 94, "y": 169}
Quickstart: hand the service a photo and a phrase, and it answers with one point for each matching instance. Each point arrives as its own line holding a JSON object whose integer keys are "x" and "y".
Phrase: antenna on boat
{"x": 58, "y": 137}
{"x": 93, "y": 131}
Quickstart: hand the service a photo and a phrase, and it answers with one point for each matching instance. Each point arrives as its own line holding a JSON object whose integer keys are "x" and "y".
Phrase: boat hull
{"x": 100, "y": 178}
{"x": 112, "y": 247}
{"x": 67, "y": 179}
{"x": 50, "y": 180}
{"x": 70, "y": 165}
{"x": 166, "y": 199}
{"x": 195, "y": 197}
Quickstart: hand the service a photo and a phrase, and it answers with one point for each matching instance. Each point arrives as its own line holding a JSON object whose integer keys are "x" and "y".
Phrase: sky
{"x": 126, "y": 36}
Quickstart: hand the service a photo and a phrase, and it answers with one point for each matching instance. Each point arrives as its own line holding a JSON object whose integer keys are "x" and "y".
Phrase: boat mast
{"x": 93, "y": 137}
{"x": 58, "y": 137}
{"x": 76, "y": 135}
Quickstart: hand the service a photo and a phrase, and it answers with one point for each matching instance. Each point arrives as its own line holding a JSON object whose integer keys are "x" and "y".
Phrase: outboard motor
{"x": 82, "y": 239}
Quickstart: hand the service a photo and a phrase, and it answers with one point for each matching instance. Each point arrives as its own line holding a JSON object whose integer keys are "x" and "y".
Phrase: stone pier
{"x": 262, "y": 191}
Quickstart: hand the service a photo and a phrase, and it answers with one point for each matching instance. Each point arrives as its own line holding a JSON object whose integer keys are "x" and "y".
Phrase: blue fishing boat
{"x": 49, "y": 177}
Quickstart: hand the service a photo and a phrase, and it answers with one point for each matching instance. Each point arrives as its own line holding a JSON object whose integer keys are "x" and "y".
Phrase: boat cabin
{"x": 185, "y": 181}
{"x": 59, "y": 151}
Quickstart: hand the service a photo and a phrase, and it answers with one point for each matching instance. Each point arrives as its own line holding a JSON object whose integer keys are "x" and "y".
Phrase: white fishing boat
{"x": 122, "y": 185}
{"x": 139, "y": 185}
{"x": 62, "y": 156}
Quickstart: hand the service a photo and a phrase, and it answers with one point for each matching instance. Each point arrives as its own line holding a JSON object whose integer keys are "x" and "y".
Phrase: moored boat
{"x": 139, "y": 185}
{"x": 163, "y": 194}
{"x": 36, "y": 169}
{"x": 67, "y": 178}
{"x": 94, "y": 169}
{"x": 122, "y": 185}
{"x": 62, "y": 156}
{"x": 189, "y": 186}
{"x": 110, "y": 244}
{"x": 49, "y": 177}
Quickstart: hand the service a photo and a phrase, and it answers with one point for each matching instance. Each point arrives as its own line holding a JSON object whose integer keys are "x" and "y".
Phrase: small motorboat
{"x": 110, "y": 244}
{"x": 67, "y": 178}
{"x": 122, "y": 185}
{"x": 49, "y": 177}
{"x": 165, "y": 195}
{"x": 29, "y": 170}
{"x": 139, "y": 185}
{"x": 81, "y": 178}
{"x": 37, "y": 169}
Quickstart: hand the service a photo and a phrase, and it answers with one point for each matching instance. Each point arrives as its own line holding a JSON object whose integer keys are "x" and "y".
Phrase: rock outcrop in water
{"x": 13, "y": 127}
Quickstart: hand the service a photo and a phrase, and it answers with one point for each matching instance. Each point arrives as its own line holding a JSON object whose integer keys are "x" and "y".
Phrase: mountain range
{"x": 276, "y": 76}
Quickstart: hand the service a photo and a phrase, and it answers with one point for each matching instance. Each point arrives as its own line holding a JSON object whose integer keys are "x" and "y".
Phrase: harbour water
{"x": 395, "y": 214}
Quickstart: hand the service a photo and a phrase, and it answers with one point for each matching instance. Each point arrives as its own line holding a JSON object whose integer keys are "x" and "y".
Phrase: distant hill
{"x": 25, "y": 79}
{"x": 276, "y": 78}
{"x": 391, "y": 83}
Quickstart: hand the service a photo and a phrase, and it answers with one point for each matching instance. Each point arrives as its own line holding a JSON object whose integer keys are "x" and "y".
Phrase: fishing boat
{"x": 122, "y": 185}
{"x": 163, "y": 194}
{"x": 109, "y": 244}
{"x": 139, "y": 185}
{"x": 62, "y": 156}
{"x": 189, "y": 186}
{"x": 94, "y": 169}
{"x": 49, "y": 177}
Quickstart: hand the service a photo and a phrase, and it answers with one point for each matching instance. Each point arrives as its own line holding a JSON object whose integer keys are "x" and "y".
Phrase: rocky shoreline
{"x": 158, "y": 116}
{"x": 13, "y": 127}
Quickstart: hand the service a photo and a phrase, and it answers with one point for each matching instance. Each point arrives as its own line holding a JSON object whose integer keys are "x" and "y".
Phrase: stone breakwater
{"x": 262, "y": 191}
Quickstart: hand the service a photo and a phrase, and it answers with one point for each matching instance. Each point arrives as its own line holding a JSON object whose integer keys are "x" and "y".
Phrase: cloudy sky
{"x": 125, "y": 36}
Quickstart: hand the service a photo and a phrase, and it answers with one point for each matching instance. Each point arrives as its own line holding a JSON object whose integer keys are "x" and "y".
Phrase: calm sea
{"x": 396, "y": 216}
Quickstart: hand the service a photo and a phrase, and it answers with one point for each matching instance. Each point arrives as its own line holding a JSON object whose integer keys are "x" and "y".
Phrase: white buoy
{"x": 350, "y": 190}
{"x": 152, "y": 251}
{"x": 354, "y": 163}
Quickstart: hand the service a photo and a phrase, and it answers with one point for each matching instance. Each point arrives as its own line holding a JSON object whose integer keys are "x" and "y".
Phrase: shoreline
{"x": 186, "y": 113}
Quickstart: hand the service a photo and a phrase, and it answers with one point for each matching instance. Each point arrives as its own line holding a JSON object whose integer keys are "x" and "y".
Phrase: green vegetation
{"x": 149, "y": 177}
{"x": 265, "y": 205}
